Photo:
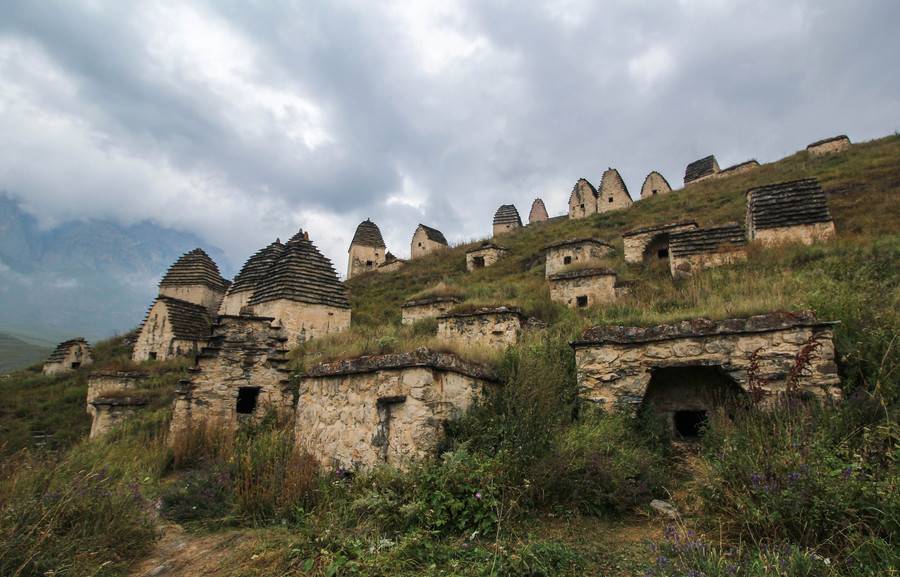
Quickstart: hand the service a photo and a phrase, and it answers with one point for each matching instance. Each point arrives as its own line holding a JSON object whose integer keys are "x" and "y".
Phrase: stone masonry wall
{"x": 637, "y": 241}
{"x": 803, "y": 233}
{"x": 829, "y": 146}
{"x": 615, "y": 373}
{"x": 422, "y": 245}
{"x": 384, "y": 409}
{"x": 303, "y": 321}
{"x": 197, "y": 294}
{"x": 490, "y": 256}
{"x": 110, "y": 413}
{"x": 363, "y": 259}
{"x": 103, "y": 383}
{"x": 596, "y": 288}
{"x": 685, "y": 266}
{"x": 493, "y": 329}
{"x": 245, "y": 352}
{"x": 233, "y": 303}
{"x": 579, "y": 254}
{"x": 77, "y": 353}
{"x": 156, "y": 336}
{"x": 414, "y": 311}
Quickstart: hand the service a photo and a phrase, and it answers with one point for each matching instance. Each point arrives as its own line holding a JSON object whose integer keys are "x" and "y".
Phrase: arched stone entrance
{"x": 657, "y": 250}
{"x": 686, "y": 396}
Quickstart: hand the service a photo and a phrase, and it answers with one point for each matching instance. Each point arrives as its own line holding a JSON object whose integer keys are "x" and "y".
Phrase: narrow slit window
{"x": 610, "y": 199}
{"x": 581, "y": 301}
{"x": 478, "y": 262}
{"x": 246, "y": 401}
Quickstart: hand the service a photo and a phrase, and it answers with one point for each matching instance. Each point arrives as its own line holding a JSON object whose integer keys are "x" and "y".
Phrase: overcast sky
{"x": 244, "y": 123}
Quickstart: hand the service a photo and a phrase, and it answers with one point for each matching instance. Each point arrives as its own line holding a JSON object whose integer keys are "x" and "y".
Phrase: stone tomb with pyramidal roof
{"x": 506, "y": 219}
{"x": 302, "y": 292}
{"x": 240, "y": 377}
{"x": 655, "y": 185}
{"x": 195, "y": 278}
{"x": 538, "y": 212}
{"x": 698, "y": 248}
{"x": 367, "y": 249}
{"x": 684, "y": 371}
{"x": 582, "y": 200}
{"x": 794, "y": 211}
{"x": 613, "y": 193}
{"x": 68, "y": 356}
{"x": 254, "y": 270}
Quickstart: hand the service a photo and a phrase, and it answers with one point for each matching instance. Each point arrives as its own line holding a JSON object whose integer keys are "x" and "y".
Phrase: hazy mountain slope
{"x": 86, "y": 278}
{"x": 16, "y": 353}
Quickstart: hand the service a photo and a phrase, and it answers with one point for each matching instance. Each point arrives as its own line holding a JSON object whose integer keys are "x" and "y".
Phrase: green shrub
{"x": 797, "y": 474}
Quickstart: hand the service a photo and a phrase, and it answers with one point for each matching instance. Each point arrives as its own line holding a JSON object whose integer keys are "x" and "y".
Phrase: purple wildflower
{"x": 847, "y": 473}
{"x": 478, "y": 494}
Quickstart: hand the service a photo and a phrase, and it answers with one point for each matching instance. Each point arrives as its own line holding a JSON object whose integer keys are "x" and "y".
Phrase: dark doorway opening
{"x": 246, "y": 401}
{"x": 689, "y": 424}
{"x": 369, "y": 263}
{"x": 478, "y": 261}
{"x": 152, "y": 355}
{"x": 567, "y": 260}
{"x": 657, "y": 249}
{"x": 76, "y": 364}
{"x": 662, "y": 253}
{"x": 581, "y": 301}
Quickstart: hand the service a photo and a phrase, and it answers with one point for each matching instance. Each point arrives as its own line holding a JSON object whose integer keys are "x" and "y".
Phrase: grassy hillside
{"x": 16, "y": 353}
{"x": 531, "y": 482}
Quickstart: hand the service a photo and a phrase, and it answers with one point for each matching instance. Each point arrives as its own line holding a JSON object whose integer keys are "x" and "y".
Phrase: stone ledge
{"x": 583, "y": 273}
{"x": 118, "y": 374}
{"x": 423, "y": 357}
{"x": 487, "y": 246}
{"x": 483, "y": 312}
{"x": 246, "y": 318}
{"x": 431, "y": 301}
{"x": 119, "y": 401}
{"x": 572, "y": 241}
{"x": 700, "y": 327}
{"x": 657, "y": 227}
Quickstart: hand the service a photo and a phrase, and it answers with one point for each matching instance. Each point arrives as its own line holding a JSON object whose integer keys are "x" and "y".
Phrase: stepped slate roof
{"x": 507, "y": 214}
{"x": 827, "y": 140}
{"x": 421, "y": 357}
{"x": 433, "y": 234}
{"x": 791, "y": 203}
{"x": 255, "y": 268}
{"x": 609, "y": 180}
{"x": 583, "y": 273}
{"x": 368, "y": 234}
{"x": 301, "y": 274}
{"x": 189, "y": 322}
{"x": 571, "y": 241}
{"x": 59, "y": 353}
{"x": 193, "y": 268}
{"x": 700, "y": 168}
{"x": 389, "y": 258}
{"x": 707, "y": 240}
{"x": 538, "y": 211}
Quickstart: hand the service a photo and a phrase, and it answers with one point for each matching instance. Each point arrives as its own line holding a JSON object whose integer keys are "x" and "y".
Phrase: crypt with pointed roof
{"x": 367, "y": 249}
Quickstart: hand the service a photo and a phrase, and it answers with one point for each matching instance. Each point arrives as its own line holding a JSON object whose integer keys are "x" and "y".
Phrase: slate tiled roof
{"x": 193, "y": 268}
{"x": 658, "y": 227}
{"x": 538, "y": 211}
{"x": 486, "y": 246}
{"x": 827, "y": 140}
{"x": 368, "y": 234}
{"x": 792, "y": 203}
{"x": 256, "y": 268}
{"x": 59, "y": 353}
{"x": 301, "y": 274}
{"x": 188, "y": 321}
{"x": 433, "y": 234}
{"x": 572, "y": 241}
{"x": 707, "y": 240}
{"x": 507, "y": 214}
{"x": 700, "y": 168}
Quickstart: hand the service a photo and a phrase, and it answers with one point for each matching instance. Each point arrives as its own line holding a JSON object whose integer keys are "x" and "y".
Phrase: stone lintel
{"x": 571, "y": 241}
{"x": 700, "y": 327}
{"x": 118, "y": 374}
{"x": 658, "y": 227}
{"x": 119, "y": 401}
{"x": 422, "y": 357}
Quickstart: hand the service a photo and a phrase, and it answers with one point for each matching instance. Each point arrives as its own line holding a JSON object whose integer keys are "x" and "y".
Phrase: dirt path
{"x": 181, "y": 554}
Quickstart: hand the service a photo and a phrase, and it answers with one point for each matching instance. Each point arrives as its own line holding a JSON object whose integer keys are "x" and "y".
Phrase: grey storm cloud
{"x": 241, "y": 122}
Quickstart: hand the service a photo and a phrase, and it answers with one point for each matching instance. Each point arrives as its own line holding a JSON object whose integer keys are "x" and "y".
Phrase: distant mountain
{"x": 17, "y": 353}
{"x": 88, "y": 278}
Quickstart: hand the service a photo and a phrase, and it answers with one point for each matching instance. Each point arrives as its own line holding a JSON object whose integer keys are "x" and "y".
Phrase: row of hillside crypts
{"x": 368, "y": 251}
{"x": 393, "y": 408}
